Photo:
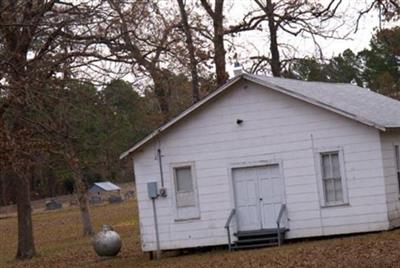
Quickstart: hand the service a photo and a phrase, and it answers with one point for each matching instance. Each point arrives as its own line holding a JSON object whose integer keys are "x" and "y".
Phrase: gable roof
{"x": 107, "y": 186}
{"x": 357, "y": 103}
{"x": 361, "y": 103}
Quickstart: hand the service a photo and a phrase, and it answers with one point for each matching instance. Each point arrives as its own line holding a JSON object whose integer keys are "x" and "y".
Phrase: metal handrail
{"x": 227, "y": 224}
{"x": 278, "y": 223}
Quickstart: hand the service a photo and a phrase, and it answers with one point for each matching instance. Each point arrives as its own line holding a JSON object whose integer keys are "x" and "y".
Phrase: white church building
{"x": 264, "y": 159}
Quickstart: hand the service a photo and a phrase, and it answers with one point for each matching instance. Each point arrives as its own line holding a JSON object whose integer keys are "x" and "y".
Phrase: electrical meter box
{"x": 152, "y": 189}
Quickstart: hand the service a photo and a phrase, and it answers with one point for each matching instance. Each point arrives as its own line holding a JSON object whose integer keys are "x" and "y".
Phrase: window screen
{"x": 331, "y": 177}
{"x": 184, "y": 182}
{"x": 185, "y": 193}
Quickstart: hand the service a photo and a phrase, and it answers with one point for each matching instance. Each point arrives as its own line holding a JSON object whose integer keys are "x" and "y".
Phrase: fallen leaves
{"x": 60, "y": 244}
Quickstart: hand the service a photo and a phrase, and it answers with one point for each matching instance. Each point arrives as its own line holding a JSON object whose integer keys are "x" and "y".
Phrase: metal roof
{"x": 362, "y": 103}
{"x": 107, "y": 186}
{"x": 357, "y": 103}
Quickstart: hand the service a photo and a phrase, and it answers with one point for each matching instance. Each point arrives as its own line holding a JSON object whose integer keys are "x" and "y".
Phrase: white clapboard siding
{"x": 389, "y": 139}
{"x": 275, "y": 129}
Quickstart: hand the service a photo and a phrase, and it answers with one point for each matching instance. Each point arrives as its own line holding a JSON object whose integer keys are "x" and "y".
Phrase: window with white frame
{"x": 186, "y": 196}
{"x": 332, "y": 180}
{"x": 184, "y": 180}
{"x": 397, "y": 159}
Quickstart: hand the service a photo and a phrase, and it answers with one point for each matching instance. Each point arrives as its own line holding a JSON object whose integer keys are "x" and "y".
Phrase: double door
{"x": 259, "y": 195}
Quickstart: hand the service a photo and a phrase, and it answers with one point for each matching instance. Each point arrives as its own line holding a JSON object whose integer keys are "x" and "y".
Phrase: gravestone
{"x": 95, "y": 199}
{"x": 129, "y": 194}
{"x": 115, "y": 199}
{"x": 53, "y": 204}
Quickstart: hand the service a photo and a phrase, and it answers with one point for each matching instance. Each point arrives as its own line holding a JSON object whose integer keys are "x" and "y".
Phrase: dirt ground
{"x": 59, "y": 244}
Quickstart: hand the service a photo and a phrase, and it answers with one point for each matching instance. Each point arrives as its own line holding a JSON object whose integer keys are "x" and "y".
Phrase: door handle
{"x": 261, "y": 199}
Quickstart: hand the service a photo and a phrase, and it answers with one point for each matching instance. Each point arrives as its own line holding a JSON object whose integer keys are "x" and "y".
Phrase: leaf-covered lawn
{"x": 60, "y": 244}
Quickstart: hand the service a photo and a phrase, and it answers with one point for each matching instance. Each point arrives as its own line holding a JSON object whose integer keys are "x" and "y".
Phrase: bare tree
{"x": 140, "y": 35}
{"x": 18, "y": 22}
{"x": 36, "y": 45}
{"x": 66, "y": 109}
{"x": 296, "y": 18}
{"x": 217, "y": 17}
{"x": 191, "y": 49}
{"x": 388, "y": 10}
{"x": 221, "y": 29}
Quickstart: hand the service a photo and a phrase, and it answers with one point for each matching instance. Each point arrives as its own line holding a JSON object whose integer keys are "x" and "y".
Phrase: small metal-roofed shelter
{"x": 101, "y": 191}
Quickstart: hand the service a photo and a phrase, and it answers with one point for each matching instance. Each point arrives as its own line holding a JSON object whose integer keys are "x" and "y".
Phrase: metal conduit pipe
{"x": 161, "y": 169}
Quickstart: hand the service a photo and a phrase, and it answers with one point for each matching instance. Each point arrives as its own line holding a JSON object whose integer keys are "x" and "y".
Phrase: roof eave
{"x": 393, "y": 127}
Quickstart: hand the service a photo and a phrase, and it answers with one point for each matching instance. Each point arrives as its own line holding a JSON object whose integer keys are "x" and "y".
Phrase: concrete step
{"x": 257, "y": 240}
{"x": 254, "y": 245}
{"x": 260, "y": 233}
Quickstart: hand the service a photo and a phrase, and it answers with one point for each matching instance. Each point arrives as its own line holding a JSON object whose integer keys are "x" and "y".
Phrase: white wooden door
{"x": 271, "y": 194}
{"x": 246, "y": 199}
{"x": 258, "y": 196}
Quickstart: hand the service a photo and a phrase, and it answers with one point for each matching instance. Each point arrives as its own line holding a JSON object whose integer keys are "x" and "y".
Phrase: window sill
{"x": 335, "y": 205}
{"x": 187, "y": 219}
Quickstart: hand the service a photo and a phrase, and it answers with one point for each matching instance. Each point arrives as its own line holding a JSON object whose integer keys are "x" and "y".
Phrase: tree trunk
{"x": 162, "y": 101}
{"x": 161, "y": 83}
{"x": 191, "y": 50}
{"x": 217, "y": 17}
{"x": 33, "y": 182}
{"x": 219, "y": 49}
{"x": 81, "y": 193}
{"x": 51, "y": 184}
{"x": 3, "y": 185}
{"x": 275, "y": 58}
{"x": 26, "y": 246}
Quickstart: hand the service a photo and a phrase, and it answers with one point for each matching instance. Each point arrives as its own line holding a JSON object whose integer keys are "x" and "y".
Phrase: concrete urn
{"x": 107, "y": 242}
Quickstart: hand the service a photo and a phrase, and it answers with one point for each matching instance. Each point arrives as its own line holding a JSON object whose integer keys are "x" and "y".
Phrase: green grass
{"x": 60, "y": 244}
